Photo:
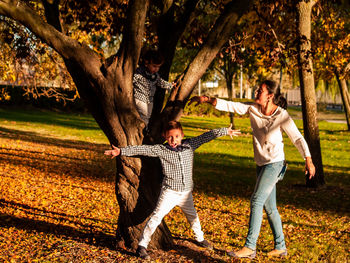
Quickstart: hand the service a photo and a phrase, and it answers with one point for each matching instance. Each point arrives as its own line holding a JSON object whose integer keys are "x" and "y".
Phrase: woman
{"x": 268, "y": 117}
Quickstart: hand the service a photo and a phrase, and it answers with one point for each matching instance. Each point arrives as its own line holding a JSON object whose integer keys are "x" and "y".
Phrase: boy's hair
{"x": 153, "y": 56}
{"x": 172, "y": 125}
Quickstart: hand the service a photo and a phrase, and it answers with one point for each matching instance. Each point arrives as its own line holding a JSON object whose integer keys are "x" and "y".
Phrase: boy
{"x": 176, "y": 157}
{"x": 146, "y": 80}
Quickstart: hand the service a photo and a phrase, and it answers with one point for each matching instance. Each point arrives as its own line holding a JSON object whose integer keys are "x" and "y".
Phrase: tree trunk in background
{"x": 229, "y": 83}
{"x": 281, "y": 78}
{"x": 344, "y": 95}
{"x": 307, "y": 89}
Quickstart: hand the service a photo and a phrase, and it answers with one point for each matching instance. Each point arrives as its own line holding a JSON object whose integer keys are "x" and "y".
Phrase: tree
{"x": 344, "y": 91}
{"x": 307, "y": 88}
{"x": 25, "y": 62}
{"x": 105, "y": 84}
{"x": 228, "y": 64}
{"x": 332, "y": 49}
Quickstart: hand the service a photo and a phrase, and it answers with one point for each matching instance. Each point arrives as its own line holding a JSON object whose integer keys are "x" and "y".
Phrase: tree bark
{"x": 230, "y": 97}
{"x": 169, "y": 30}
{"x": 216, "y": 38}
{"x": 344, "y": 95}
{"x": 107, "y": 90}
{"x": 307, "y": 89}
{"x": 229, "y": 76}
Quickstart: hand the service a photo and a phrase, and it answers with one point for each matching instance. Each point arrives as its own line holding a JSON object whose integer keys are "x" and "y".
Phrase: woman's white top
{"x": 267, "y": 131}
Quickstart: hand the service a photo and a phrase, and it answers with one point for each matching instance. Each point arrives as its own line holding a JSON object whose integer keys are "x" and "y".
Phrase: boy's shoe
{"x": 205, "y": 244}
{"x": 277, "y": 253}
{"x": 243, "y": 253}
{"x": 142, "y": 252}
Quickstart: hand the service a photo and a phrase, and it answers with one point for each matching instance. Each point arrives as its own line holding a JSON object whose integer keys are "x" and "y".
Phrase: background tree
{"x": 228, "y": 64}
{"x": 29, "y": 64}
{"x": 105, "y": 83}
{"x": 307, "y": 88}
{"x": 332, "y": 43}
{"x": 272, "y": 24}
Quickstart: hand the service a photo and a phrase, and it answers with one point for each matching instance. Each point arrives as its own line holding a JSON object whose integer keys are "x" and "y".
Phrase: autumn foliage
{"x": 57, "y": 200}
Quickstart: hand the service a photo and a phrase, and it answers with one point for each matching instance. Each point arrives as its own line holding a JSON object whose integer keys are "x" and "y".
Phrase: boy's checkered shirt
{"x": 145, "y": 84}
{"x": 177, "y": 165}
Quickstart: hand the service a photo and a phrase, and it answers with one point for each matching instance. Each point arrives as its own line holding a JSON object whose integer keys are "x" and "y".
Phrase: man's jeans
{"x": 264, "y": 196}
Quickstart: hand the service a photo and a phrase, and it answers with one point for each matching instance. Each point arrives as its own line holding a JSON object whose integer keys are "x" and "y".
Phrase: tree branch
{"x": 52, "y": 13}
{"x": 67, "y": 47}
{"x": 217, "y": 37}
{"x": 170, "y": 32}
{"x": 133, "y": 34}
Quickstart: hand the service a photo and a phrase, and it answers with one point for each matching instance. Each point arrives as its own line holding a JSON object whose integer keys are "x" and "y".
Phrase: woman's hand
{"x": 202, "y": 99}
{"x": 198, "y": 100}
{"x": 309, "y": 167}
{"x": 233, "y": 132}
{"x": 115, "y": 152}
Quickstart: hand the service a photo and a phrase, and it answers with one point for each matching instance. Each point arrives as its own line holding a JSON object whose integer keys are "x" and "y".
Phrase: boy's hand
{"x": 115, "y": 152}
{"x": 233, "y": 132}
{"x": 198, "y": 100}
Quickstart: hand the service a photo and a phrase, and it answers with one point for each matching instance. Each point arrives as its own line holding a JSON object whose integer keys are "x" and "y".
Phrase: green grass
{"x": 56, "y": 125}
{"x": 57, "y": 201}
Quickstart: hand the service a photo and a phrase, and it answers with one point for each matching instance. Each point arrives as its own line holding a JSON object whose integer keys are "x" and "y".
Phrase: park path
{"x": 336, "y": 121}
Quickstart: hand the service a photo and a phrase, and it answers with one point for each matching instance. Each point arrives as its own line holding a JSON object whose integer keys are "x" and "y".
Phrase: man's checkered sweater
{"x": 145, "y": 84}
{"x": 177, "y": 164}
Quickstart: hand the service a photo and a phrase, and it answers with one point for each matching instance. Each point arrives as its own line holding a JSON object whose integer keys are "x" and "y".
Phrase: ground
{"x": 57, "y": 201}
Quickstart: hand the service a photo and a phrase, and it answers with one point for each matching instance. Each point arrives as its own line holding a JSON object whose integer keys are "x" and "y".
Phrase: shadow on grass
{"x": 56, "y": 164}
{"x": 198, "y": 256}
{"x": 84, "y": 233}
{"x": 88, "y": 236}
{"x": 63, "y": 217}
{"x": 37, "y": 138}
{"x": 237, "y": 178}
{"x": 214, "y": 174}
{"x": 84, "y": 121}
{"x": 90, "y": 163}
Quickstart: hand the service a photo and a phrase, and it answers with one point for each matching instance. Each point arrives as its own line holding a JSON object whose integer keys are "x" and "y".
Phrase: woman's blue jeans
{"x": 264, "y": 196}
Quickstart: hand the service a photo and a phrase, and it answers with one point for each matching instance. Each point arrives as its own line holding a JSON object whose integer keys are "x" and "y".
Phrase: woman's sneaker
{"x": 142, "y": 252}
{"x": 243, "y": 253}
{"x": 277, "y": 253}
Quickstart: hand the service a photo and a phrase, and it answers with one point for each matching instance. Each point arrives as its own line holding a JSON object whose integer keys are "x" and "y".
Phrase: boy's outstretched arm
{"x": 115, "y": 152}
{"x": 233, "y": 132}
{"x": 210, "y": 135}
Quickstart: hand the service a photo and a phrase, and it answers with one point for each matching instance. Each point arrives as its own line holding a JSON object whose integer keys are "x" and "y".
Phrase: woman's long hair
{"x": 274, "y": 88}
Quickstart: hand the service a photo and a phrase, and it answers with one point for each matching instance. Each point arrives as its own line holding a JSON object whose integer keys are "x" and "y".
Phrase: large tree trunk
{"x": 344, "y": 95}
{"x": 106, "y": 88}
{"x": 307, "y": 89}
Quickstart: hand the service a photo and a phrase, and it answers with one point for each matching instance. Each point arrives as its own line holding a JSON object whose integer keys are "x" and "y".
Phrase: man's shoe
{"x": 243, "y": 253}
{"x": 142, "y": 252}
{"x": 205, "y": 244}
{"x": 277, "y": 253}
